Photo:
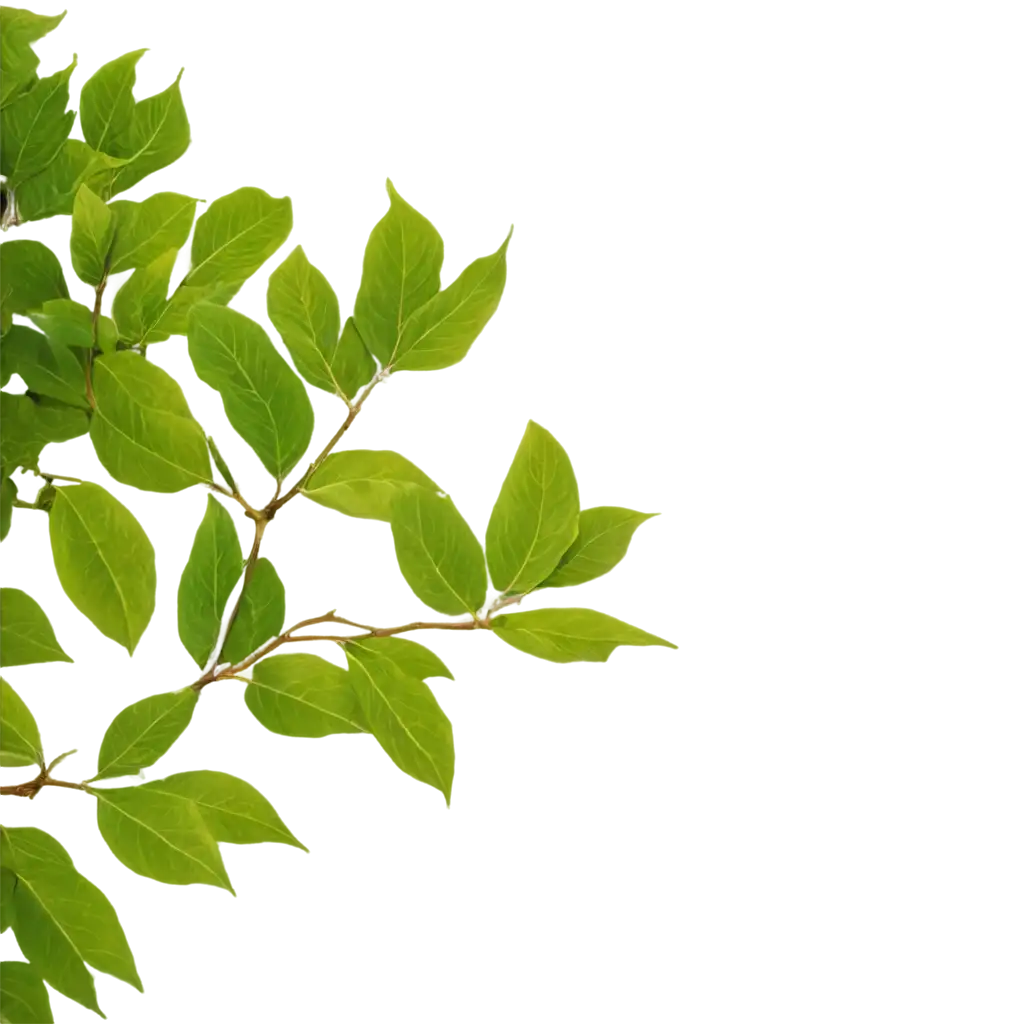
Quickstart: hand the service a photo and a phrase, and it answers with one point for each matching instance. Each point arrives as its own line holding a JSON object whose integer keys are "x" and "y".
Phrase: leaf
{"x": 142, "y": 428}
{"x": 108, "y": 105}
{"x": 570, "y": 634}
{"x": 408, "y": 656}
{"x": 157, "y": 135}
{"x": 92, "y": 233}
{"x": 146, "y": 230}
{"x": 260, "y": 613}
{"x": 602, "y": 542}
{"x": 159, "y": 835}
{"x": 23, "y": 996}
{"x": 30, "y": 274}
{"x": 18, "y": 62}
{"x": 535, "y": 517}
{"x": 8, "y": 883}
{"x": 401, "y": 271}
{"x": 70, "y": 323}
{"x": 52, "y": 191}
{"x": 26, "y": 636}
{"x": 439, "y": 556}
{"x": 404, "y": 716}
{"x": 233, "y": 810}
{"x": 61, "y": 918}
{"x": 263, "y": 399}
{"x": 104, "y": 561}
{"x": 440, "y": 332}
{"x": 236, "y": 235}
{"x": 35, "y": 126}
{"x": 8, "y": 495}
{"x": 19, "y": 735}
{"x": 363, "y": 483}
{"x": 28, "y": 424}
{"x": 214, "y": 567}
{"x": 46, "y": 366}
{"x": 305, "y": 311}
{"x": 303, "y": 695}
{"x": 141, "y": 734}
{"x": 141, "y": 301}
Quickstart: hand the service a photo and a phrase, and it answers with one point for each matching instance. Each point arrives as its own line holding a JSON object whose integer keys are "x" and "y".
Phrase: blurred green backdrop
{"x": 767, "y": 283}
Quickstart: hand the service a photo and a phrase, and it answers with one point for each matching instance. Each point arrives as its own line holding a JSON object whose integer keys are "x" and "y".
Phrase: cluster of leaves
{"x": 85, "y": 372}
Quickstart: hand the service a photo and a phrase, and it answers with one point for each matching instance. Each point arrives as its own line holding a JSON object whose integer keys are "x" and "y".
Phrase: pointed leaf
{"x": 570, "y": 634}
{"x": 157, "y": 135}
{"x": 141, "y": 301}
{"x": 159, "y": 835}
{"x": 260, "y": 613}
{"x": 18, "y": 62}
{"x": 26, "y": 636}
{"x": 92, "y": 233}
{"x": 19, "y": 735}
{"x": 108, "y": 105}
{"x": 535, "y": 517}
{"x": 35, "y": 126}
{"x": 142, "y": 428}
{"x": 439, "y": 556}
{"x": 401, "y": 271}
{"x": 303, "y": 695}
{"x": 148, "y": 229}
{"x": 263, "y": 399}
{"x": 66, "y": 322}
{"x": 410, "y": 657}
{"x": 69, "y": 916}
{"x": 46, "y": 366}
{"x": 23, "y": 996}
{"x": 305, "y": 311}
{"x": 236, "y": 235}
{"x": 233, "y": 810}
{"x": 52, "y": 191}
{"x": 363, "y": 483}
{"x": 404, "y": 716}
{"x": 28, "y": 424}
{"x": 104, "y": 561}
{"x": 602, "y": 542}
{"x": 30, "y": 275}
{"x": 141, "y": 734}
{"x": 440, "y": 333}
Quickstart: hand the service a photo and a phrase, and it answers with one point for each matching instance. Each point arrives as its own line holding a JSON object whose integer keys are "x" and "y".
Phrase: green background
{"x": 766, "y": 283}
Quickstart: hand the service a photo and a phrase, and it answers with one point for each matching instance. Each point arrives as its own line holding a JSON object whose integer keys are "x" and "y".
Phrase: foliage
{"x": 88, "y": 373}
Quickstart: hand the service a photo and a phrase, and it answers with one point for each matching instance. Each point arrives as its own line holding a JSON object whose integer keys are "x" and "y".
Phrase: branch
{"x": 96, "y": 308}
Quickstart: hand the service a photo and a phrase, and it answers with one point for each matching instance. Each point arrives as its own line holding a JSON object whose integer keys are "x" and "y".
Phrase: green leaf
{"x": 46, "y": 366}
{"x": 263, "y": 399}
{"x": 141, "y": 301}
{"x": 260, "y": 613}
{"x": 410, "y": 657}
{"x": 148, "y": 229}
{"x": 28, "y": 424}
{"x": 141, "y": 734}
{"x": 108, "y": 105}
{"x": 35, "y": 126}
{"x": 61, "y": 919}
{"x": 404, "y": 716}
{"x": 570, "y": 634}
{"x": 159, "y": 835}
{"x": 233, "y": 810}
{"x": 236, "y": 236}
{"x": 439, "y": 333}
{"x": 401, "y": 271}
{"x": 602, "y": 542}
{"x": 66, "y": 322}
{"x": 19, "y": 735}
{"x": 303, "y": 695}
{"x": 439, "y": 556}
{"x": 363, "y": 483}
{"x": 104, "y": 561}
{"x": 157, "y": 135}
{"x": 30, "y": 274}
{"x": 92, "y": 233}
{"x": 52, "y": 191}
{"x": 18, "y": 62}
{"x": 535, "y": 517}
{"x": 214, "y": 567}
{"x": 142, "y": 428}
{"x": 26, "y": 636}
{"x": 8, "y": 495}
{"x": 8, "y": 883}
{"x": 23, "y": 996}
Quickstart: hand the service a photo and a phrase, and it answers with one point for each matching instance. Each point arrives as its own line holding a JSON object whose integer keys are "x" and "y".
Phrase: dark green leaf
{"x": 141, "y": 301}
{"x": 401, "y": 271}
{"x": 108, "y": 105}
{"x": 8, "y": 882}
{"x": 18, "y": 62}
{"x": 28, "y": 424}
{"x": 602, "y": 542}
{"x": 141, "y": 734}
{"x": 148, "y": 229}
{"x": 30, "y": 274}
{"x": 439, "y": 556}
{"x": 535, "y": 517}
{"x": 70, "y": 323}
{"x": 104, "y": 561}
{"x": 92, "y": 232}
{"x": 46, "y": 366}
{"x": 52, "y": 191}
{"x": 8, "y": 495}
{"x": 260, "y": 613}
{"x": 263, "y": 399}
{"x": 26, "y": 636}
{"x": 303, "y": 695}
{"x": 235, "y": 237}
{"x": 23, "y": 996}
{"x": 410, "y": 657}
{"x": 35, "y": 126}
{"x": 19, "y": 735}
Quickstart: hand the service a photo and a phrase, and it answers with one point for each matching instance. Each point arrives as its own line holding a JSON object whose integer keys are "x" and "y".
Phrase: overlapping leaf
{"x": 23, "y": 996}
{"x": 29, "y": 423}
{"x": 148, "y": 229}
{"x": 140, "y": 302}
{"x": 30, "y": 274}
{"x": 18, "y": 61}
{"x": 260, "y": 613}
{"x": 46, "y": 366}
{"x": 92, "y": 233}
{"x": 602, "y": 542}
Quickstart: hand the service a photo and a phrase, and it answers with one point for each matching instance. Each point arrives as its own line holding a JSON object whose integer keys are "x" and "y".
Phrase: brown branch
{"x": 32, "y": 787}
